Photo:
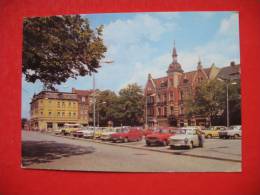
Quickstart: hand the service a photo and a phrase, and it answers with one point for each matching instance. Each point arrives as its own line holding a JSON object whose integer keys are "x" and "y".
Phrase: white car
{"x": 106, "y": 135}
{"x": 231, "y": 132}
{"x": 86, "y": 132}
{"x": 187, "y": 137}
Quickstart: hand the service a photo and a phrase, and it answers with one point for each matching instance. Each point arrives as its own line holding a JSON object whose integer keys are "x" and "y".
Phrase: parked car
{"x": 106, "y": 134}
{"x": 127, "y": 135}
{"x": 187, "y": 137}
{"x": 86, "y": 132}
{"x": 159, "y": 137}
{"x": 148, "y": 131}
{"x": 70, "y": 128}
{"x": 98, "y": 132}
{"x": 213, "y": 131}
{"x": 231, "y": 132}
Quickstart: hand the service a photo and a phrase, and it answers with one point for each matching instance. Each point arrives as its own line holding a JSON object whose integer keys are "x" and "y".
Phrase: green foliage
{"x": 126, "y": 108}
{"x": 132, "y": 101}
{"x": 60, "y": 47}
{"x": 210, "y": 100}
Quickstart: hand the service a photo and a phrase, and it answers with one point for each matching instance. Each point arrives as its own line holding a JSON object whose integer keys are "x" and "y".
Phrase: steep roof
{"x": 231, "y": 72}
{"x": 55, "y": 95}
{"x": 82, "y": 92}
{"x": 158, "y": 81}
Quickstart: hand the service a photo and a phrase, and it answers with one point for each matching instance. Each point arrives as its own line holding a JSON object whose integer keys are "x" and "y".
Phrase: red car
{"x": 127, "y": 135}
{"x": 159, "y": 137}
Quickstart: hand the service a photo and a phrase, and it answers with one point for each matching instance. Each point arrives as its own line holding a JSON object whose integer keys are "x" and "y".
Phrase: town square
{"x": 140, "y": 92}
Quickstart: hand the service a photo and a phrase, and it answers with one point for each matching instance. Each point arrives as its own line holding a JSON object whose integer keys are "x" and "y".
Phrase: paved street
{"x": 47, "y": 151}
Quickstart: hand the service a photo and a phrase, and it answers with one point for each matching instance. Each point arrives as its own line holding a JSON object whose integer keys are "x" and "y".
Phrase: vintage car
{"x": 213, "y": 131}
{"x": 187, "y": 137}
{"x": 86, "y": 132}
{"x": 107, "y": 132}
{"x": 68, "y": 129}
{"x": 159, "y": 136}
{"x": 231, "y": 132}
{"x": 98, "y": 132}
{"x": 127, "y": 135}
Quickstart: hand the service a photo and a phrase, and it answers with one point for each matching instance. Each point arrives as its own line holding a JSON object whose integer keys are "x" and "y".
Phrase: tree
{"x": 60, "y": 47}
{"x": 209, "y": 100}
{"x": 234, "y": 104}
{"x": 131, "y": 99}
{"x": 107, "y": 108}
{"x": 24, "y": 121}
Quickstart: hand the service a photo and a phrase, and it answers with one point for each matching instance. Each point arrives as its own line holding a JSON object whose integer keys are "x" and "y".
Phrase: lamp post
{"x": 98, "y": 111}
{"x": 227, "y": 82}
{"x": 94, "y": 95}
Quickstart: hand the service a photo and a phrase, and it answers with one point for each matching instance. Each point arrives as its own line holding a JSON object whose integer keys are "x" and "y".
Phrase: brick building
{"x": 84, "y": 101}
{"x": 165, "y": 96}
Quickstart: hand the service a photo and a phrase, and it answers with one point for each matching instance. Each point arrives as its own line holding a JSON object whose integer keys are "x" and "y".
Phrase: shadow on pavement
{"x": 47, "y": 151}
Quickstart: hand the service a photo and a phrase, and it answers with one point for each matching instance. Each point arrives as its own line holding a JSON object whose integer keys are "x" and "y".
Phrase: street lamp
{"x": 227, "y": 82}
{"x": 94, "y": 94}
{"x": 98, "y": 111}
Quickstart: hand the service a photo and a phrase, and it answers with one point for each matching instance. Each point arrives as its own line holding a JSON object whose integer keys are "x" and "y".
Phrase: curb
{"x": 149, "y": 149}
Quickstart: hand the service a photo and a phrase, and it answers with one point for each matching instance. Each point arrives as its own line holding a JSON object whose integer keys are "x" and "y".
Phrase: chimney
{"x": 232, "y": 63}
{"x": 149, "y": 76}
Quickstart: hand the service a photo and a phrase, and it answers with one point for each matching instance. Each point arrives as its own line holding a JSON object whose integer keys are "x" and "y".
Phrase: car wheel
{"x": 236, "y": 136}
{"x": 125, "y": 140}
{"x": 209, "y": 136}
{"x": 165, "y": 143}
{"x": 190, "y": 145}
{"x": 148, "y": 143}
{"x": 172, "y": 147}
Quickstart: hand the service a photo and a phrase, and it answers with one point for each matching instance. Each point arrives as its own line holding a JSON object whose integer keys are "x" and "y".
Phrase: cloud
{"x": 140, "y": 27}
{"x": 229, "y": 26}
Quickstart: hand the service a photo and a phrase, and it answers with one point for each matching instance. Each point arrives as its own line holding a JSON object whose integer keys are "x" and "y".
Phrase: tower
{"x": 199, "y": 66}
{"x": 174, "y": 66}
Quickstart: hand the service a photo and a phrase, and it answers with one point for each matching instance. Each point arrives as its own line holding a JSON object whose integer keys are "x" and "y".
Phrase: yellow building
{"x": 51, "y": 110}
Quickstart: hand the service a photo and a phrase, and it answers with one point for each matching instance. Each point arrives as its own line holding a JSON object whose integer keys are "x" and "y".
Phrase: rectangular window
{"x": 63, "y": 114}
{"x": 58, "y": 114}
{"x": 63, "y": 104}
{"x": 49, "y": 113}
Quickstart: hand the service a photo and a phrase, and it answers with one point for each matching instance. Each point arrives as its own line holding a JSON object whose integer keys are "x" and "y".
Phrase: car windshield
{"x": 121, "y": 130}
{"x": 180, "y": 131}
{"x": 163, "y": 131}
{"x": 235, "y": 127}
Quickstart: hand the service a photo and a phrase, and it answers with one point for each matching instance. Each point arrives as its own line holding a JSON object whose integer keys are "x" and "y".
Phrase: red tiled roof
{"x": 82, "y": 92}
{"x": 158, "y": 81}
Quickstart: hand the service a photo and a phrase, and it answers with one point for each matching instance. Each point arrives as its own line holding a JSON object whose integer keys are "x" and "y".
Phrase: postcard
{"x": 132, "y": 92}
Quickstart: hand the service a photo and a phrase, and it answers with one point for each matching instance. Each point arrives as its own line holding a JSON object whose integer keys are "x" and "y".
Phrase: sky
{"x": 142, "y": 43}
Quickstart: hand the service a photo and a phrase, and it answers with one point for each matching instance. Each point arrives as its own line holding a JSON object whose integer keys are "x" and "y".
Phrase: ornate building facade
{"x": 165, "y": 96}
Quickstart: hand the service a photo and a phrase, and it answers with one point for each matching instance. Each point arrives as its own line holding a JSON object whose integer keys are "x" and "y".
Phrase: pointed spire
{"x": 199, "y": 64}
{"x": 174, "y": 53}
